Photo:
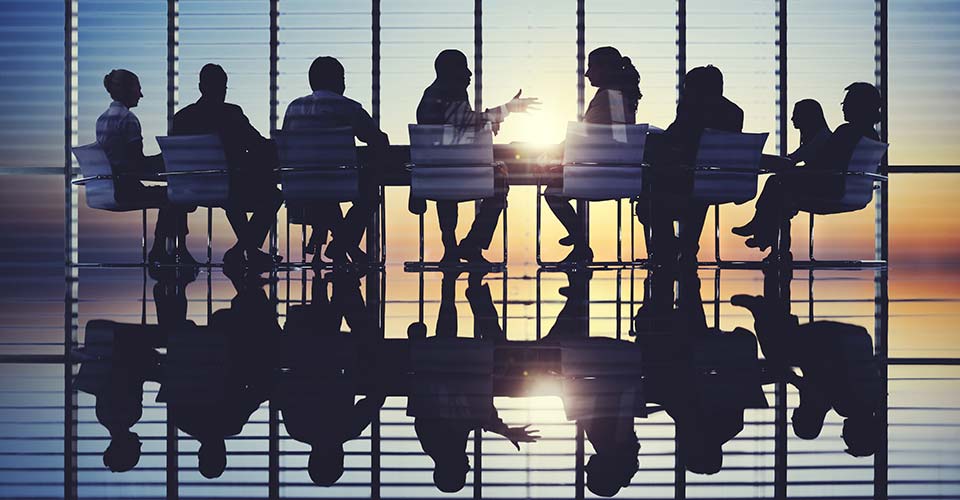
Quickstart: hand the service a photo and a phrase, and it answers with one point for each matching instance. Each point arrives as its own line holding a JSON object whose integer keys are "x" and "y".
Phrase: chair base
{"x": 418, "y": 266}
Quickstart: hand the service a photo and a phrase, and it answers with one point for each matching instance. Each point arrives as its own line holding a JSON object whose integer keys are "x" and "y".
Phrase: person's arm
{"x": 516, "y": 435}
{"x": 363, "y": 412}
{"x": 133, "y": 153}
{"x": 367, "y": 130}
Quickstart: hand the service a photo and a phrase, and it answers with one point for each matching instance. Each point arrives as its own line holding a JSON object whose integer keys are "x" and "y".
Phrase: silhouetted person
{"x": 703, "y": 377}
{"x": 251, "y": 159}
{"x": 120, "y": 136}
{"x": 602, "y": 402}
{"x": 618, "y": 93}
{"x": 701, "y": 106}
{"x": 216, "y": 377}
{"x": 820, "y": 179}
{"x": 445, "y": 102}
{"x": 838, "y": 364}
{"x": 327, "y": 108}
{"x": 316, "y": 393}
{"x": 814, "y": 134}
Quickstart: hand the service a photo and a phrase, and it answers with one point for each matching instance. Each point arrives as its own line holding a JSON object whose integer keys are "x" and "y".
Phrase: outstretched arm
{"x": 516, "y": 435}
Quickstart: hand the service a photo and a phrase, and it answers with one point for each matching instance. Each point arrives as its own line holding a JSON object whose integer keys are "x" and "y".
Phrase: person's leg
{"x": 447, "y": 316}
{"x": 691, "y": 225}
{"x": 264, "y": 215}
{"x": 447, "y": 214}
{"x": 567, "y": 215}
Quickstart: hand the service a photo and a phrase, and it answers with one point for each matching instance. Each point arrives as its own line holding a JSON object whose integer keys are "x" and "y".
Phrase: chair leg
{"x": 421, "y": 239}
{"x": 383, "y": 226}
{"x": 143, "y": 236}
{"x": 619, "y": 237}
{"x": 538, "y": 216}
{"x": 210, "y": 236}
{"x": 505, "y": 205}
{"x": 810, "y": 240}
{"x": 716, "y": 233}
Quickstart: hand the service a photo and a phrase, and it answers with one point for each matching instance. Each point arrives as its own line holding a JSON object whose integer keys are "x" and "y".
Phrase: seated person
{"x": 251, "y": 160}
{"x": 120, "y": 136}
{"x": 702, "y": 105}
{"x": 326, "y": 108}
{"x": 618, "y": 93}
{"x": 445, "y": 102}
{"x": 777, "y": 203}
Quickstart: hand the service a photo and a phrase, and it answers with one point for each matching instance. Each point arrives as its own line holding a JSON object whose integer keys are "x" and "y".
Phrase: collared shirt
{"x": 326, "y": 109}
{"x": 116, "y": 128}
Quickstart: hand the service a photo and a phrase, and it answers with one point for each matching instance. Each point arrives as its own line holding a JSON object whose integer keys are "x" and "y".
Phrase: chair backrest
{"x": 320, "y": 155}
{"x": 100, "y": 193}
{"x": 450, "y": 146}
{"x": 728, "y": 165}
{"x": 858, "y": 189}
{"x": 199, "y": 168}
{"x": 451, "y": 163}
{"x": 611, "y": 144}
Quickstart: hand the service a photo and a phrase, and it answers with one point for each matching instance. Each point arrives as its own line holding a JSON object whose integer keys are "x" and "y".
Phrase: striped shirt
{"x": 116, "y": 128}
{"x": 325, "y": 109}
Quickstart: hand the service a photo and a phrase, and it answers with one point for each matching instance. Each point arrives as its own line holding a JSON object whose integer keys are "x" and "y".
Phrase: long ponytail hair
{"x": 630, "y": 83}
{"x": 619, "y": 73}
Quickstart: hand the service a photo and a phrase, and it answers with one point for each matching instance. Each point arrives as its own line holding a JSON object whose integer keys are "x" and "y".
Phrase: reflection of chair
{"x": 449, "y": 163}
{"x": 858, "y": 184}
{"x": 320, "y": 165}
{"x": 100, "y": 188}
{"x": 726, "y": 171}
{"x": 600, "y": 162}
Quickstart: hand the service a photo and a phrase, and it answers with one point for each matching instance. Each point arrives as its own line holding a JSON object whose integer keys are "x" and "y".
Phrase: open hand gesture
{"x": 522, "y": 104}
{"x": 518, "y": 435}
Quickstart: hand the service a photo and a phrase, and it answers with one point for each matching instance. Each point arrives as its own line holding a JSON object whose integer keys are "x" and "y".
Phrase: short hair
{"x": 326, "y": 73}
{"x": 212, "y": 458}
{"x": 212, "y": 78}
{"x": 325, "y": 466}
{"x": 862, "y": 435}
{"x": 117, "y": 80}
{"x": 448, "y": 59}
{"x": 864, "y": 100}
{"x": 712, "y": 79}
{"x": 123, "y": 453}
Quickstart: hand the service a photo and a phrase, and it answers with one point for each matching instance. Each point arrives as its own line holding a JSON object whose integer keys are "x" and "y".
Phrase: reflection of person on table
{"x": 839, "y": 370}
{"x": 216, "y": 377}
{"x": 317, "y": 392}
{"x": 703, "y": 377}
{"x": 452, "y": 388}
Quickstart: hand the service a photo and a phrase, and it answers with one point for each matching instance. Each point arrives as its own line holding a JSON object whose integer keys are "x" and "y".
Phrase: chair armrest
{"x": 193, "y": 172}
{"x": 83, "y": 180}
{"x": 411, "y": 166}
{"x": 610, "y": 164}
{"x": 317, "y": 168}
{"x": 876, "y": 177}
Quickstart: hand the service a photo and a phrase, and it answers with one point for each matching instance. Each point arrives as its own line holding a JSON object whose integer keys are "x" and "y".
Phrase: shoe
{"x": 234, "y": 258}
{"x": 472, "y": 254}
{"x": 335, "y": 253}
{"x": 756, "y": 243}
{"x": 568, "y": 240}
{"x": 578, "y": 256}
{"x": 258, "y": 260}
{"x": 744, "y": 230}
{"x": 159, "y": 256}
{"x": 356, "y": 255}
{"x": 774, "y": 258}
{"x": 184, "y": 259}
{"x": 750, "y": 302}
{"x": 451, "y": 255}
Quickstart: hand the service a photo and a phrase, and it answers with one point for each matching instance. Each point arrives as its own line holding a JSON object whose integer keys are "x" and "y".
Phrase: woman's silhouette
{"x": 818, "y": 179}
{"x": 814, "y": 134}
{"x": 618, "y": 93}
{"x": 120, "y": 136}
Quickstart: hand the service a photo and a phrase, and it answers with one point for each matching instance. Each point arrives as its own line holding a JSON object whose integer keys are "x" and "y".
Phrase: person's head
{"x": 450, "y": 475}
{"x": 607, "y": 473}
{"x": 123, "y": 452}
{"x": 807, "y": 421}
{"x": 123, "y": 87}
{"x": 861, "y": 434}
{"x": 417, "y": 330}
{"x": 325, "y": 464}
{"x": 451, "y": 68}
{"x": 607, "y": 68}
{"x": 326, "y": 73}
{"x": 703, "y": 82}
{"x": 808, "y": 116}
{"x": 862, "y": 103}
{"x": 704, "y": 457}
{"x": 213, "y": 82}
{"x": 212, "y": 458}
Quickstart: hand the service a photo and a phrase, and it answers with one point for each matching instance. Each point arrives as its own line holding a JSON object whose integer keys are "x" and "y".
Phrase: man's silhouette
{"x": 120, "y": 136}
{"x": 701, "y": 106}
{"x": 327, "y": 108}
{"x": 445, "y": 102}
{"x": 251, "y": 159}
{"x": 216, "y": 377}
{"x": 317, "y": 392}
